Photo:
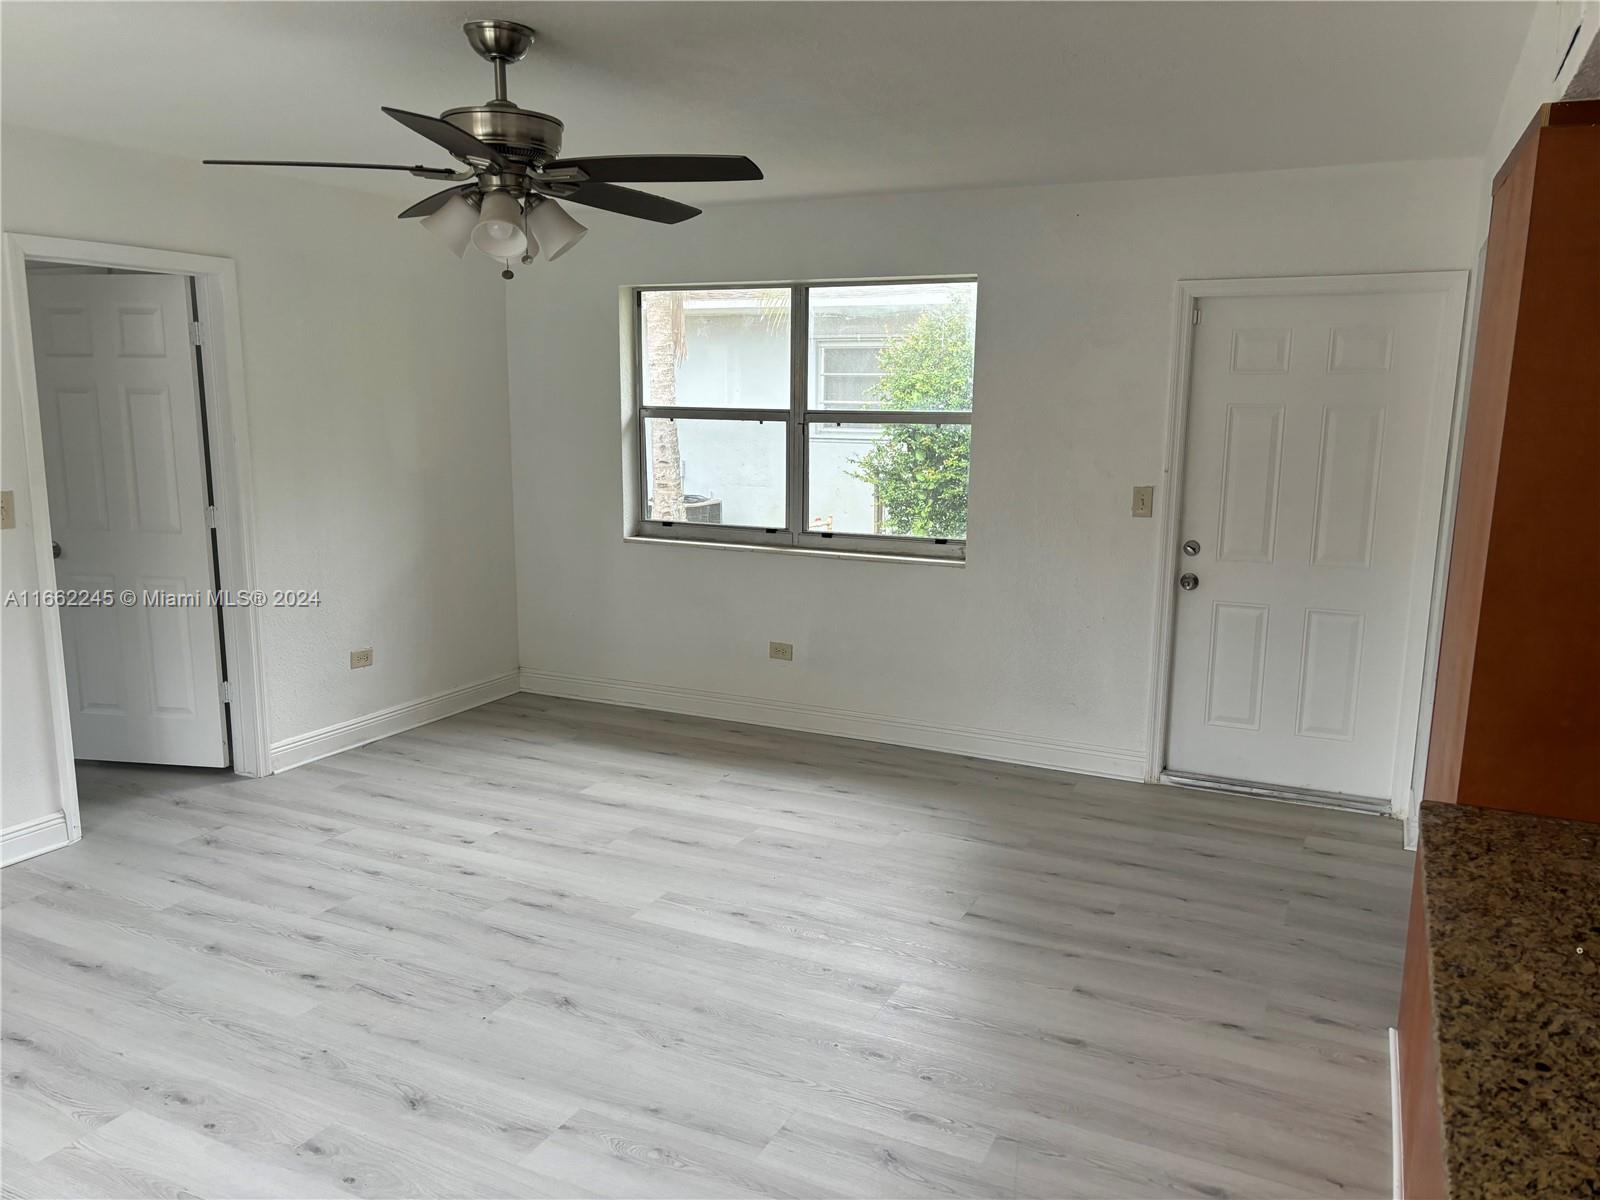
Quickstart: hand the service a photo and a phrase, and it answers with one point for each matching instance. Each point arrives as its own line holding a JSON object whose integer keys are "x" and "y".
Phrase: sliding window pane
{"x": 715, "y": 472}
{"x": 716, "y": 348}
{"x": 904, "y": 346}
{"x": 895, "y": 480}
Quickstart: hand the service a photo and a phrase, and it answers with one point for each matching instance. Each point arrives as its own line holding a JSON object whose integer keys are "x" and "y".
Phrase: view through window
{"x": 826, "y": 416}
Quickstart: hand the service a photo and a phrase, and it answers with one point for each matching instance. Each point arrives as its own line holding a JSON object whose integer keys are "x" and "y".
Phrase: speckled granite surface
{"x": 1511, "y": 899}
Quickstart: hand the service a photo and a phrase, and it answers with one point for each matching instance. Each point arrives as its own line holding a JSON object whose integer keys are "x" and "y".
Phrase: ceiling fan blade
{"x": 630, "y": 203}
{"x": 425, "y": 172}
{"x": 442, "y": 133}
{"x": 429, "y": 205}
{"x": 663, "y": 168}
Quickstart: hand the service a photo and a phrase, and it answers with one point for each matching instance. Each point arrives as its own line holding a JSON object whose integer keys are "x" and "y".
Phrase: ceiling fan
{"x": 509, "y": 180}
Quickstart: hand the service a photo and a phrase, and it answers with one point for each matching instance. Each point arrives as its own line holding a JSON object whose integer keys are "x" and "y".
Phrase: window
{"x": 833, "y": 416}
{"x": 847, "y": 373}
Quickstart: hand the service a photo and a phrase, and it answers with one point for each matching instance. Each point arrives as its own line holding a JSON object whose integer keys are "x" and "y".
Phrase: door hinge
{"x": 1195, "y": 314}
{"x": 211, "y": 516}
{"x": 197, "y": 333}
{"x": 227, "y": 692}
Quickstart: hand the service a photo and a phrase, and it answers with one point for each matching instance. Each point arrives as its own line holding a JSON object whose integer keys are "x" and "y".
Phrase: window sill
{"x": 797, "y": 551}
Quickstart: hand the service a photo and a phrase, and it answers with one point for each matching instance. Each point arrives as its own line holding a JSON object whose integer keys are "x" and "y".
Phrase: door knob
{"x": 1188, "y": 581}
{"x": 55, "y": 549}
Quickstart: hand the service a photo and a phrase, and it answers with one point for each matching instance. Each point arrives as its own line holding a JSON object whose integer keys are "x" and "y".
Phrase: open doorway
{"x": 138, "y": 479}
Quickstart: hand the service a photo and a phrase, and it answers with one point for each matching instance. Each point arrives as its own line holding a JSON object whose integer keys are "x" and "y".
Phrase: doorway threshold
{"x": 1308, "y": 796}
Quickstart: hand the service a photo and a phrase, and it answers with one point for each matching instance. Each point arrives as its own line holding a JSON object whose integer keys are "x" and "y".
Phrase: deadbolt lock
{"x": 1191, "y": 547}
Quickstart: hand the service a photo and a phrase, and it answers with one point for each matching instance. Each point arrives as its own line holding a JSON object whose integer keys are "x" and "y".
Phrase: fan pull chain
{"x": 527, "y": 255}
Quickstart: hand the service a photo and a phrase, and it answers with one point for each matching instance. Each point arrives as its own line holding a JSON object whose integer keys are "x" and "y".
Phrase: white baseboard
{"x": 347, "y": 735}
{"x": 1000, "y": 746}
{"x": 32, "y": 838}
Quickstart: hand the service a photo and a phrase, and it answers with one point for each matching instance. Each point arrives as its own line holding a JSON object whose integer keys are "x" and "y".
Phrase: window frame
{"x": 797, "y": 417}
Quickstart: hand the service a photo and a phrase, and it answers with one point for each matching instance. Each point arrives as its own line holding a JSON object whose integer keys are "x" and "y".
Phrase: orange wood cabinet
{"x": 1421, "y": 1122}
{"x": 1516, "y": 718}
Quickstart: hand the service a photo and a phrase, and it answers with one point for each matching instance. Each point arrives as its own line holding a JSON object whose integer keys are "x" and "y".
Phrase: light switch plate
{"x": 8, "y": 510}
{"x": 1144, "y": 501}
{"x": 361, "y": 658}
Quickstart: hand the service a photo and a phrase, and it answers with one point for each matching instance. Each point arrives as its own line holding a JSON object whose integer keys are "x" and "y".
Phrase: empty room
{"x": 786, "y": 599}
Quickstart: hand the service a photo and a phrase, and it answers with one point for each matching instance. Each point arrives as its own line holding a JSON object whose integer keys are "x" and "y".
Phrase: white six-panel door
{"x": 1308, "y": 419}
{"x": 124, "y": 464}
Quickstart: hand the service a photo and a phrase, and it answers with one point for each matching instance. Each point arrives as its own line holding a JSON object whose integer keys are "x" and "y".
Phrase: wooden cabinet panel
{"x": 1422, "y": 1169}
{"x": 1516, "y": 721}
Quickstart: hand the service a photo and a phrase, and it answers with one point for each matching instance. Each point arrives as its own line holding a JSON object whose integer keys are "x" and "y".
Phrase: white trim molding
{"x": 32, "y": 838}
{"x": 1432, "y": 471}
{"x": 1113, "y": 762}
{"x": 227, "y": 418}
{"x": 347, "y": 735}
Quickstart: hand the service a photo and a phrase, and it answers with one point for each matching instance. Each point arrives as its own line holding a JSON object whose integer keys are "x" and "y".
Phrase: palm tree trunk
{"x": 663, "y": 339}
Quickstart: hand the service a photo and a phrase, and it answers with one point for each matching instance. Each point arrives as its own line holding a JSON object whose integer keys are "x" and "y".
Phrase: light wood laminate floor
{"x": 554, "y": 949}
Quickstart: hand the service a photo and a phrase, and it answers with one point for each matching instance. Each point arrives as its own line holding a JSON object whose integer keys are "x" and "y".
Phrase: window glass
{"x": 715, "y": 348}
{"x": 715, "y": 472}
{"x": 904, "y": 346}
{"x": 893, "y": 480}
{"x": 867, "y": 435}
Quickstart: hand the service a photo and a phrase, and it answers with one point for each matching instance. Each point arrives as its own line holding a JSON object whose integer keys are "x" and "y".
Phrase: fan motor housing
{"x": 518, "y": 133}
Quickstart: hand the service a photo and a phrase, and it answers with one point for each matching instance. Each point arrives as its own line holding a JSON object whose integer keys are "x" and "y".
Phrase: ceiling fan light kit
{"x": 454, "y": 223}
{"x": 499, "y": 232}
{"x": 553, "y": 228}
{"x": 509, "y": 181}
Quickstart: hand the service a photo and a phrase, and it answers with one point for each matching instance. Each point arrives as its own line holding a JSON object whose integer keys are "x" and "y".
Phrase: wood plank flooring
{"x": 554, "y": 949}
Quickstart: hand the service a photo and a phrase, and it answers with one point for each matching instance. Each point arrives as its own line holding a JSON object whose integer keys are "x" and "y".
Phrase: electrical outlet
{"x": 1144, "y": 501}
{"x": 361, "y": 658}
{"x": 782, "y": 651}
{"x": 8, "y": 510}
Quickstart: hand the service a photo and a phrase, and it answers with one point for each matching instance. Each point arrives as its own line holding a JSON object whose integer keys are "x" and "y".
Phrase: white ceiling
{"x": 829, "y": 98}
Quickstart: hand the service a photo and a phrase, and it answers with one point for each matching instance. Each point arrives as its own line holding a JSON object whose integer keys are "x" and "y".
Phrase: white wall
{"x": 1546, "y": 69}
{"x": 1547, "y": 65}
{"x": 1037, "y": 650}
{"x": 375, "y": 365}
{"x": 28, "y": 781}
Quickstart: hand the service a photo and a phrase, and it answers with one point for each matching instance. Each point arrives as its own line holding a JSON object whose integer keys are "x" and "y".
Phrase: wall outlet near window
{"x": 361, "y": 658}
{"x": 1144, "y": 501}
{"x": 782, "y": 651}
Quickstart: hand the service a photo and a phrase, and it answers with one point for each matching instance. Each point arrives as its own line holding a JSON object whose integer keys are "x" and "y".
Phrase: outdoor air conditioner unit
{"x": 703, "y": 510}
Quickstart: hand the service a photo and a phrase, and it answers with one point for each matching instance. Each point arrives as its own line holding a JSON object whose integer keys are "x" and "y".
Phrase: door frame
{"x": 1432, "y": 519}
{"x": 227, "y": 420}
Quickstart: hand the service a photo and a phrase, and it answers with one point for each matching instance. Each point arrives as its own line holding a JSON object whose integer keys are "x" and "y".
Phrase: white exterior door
{"x": 124, "y": 463}
{"x": 1303, "y": 487}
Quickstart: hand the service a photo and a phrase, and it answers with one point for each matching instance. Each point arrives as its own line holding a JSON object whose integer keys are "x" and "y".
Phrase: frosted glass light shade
{"x": 453, "y": 223}
{"x": 554, "y": 228}
{"x": 498, "y": 232}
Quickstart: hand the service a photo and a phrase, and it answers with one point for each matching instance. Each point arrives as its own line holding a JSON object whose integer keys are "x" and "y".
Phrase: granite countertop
{"x": 1513, "y": 914}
